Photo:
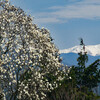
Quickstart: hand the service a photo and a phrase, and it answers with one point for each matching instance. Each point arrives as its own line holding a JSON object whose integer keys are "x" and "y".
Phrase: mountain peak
{"x": 93, "y": 50}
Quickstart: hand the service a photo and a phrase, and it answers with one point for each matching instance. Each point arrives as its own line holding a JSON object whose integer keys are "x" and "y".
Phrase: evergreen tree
{"x": 85, "y": 77}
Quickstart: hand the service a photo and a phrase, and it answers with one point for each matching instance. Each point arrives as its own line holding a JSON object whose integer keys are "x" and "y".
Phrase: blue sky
{"x": 67, "y": 20}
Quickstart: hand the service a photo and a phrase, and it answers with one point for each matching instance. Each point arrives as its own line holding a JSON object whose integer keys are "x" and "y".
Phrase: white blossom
{"x": 27, "y": 56}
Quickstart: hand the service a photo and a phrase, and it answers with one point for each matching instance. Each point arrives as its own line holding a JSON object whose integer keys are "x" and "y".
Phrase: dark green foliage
{"x": 69, "y": 91}
{"x": 87, "y": 76}
{"x": 1, "y": 96}
{"x": 92, "y": 75}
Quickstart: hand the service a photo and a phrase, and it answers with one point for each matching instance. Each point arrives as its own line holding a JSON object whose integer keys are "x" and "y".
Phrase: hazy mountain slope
{"x": 71, "y": 59}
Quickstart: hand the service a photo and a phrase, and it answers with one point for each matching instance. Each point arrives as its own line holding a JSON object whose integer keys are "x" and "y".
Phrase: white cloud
{"x": 47, "y": 20}
{"x": 85, "y": 9}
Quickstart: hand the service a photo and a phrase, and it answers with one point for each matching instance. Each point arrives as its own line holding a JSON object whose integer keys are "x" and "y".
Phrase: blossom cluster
{"x": 28, "y": 57}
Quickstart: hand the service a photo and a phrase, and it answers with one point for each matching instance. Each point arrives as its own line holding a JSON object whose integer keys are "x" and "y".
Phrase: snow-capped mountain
{"x": 93, "y": 50}
{"x": 70, "y": 55}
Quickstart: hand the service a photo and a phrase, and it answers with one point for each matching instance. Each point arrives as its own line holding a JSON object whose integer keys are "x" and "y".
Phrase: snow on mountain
{"x": 93, "y": 50}
{"x": 70, "y": 55}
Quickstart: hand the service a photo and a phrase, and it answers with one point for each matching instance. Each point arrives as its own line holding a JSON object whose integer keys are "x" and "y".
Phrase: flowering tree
{"x": 30, "y": 63}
